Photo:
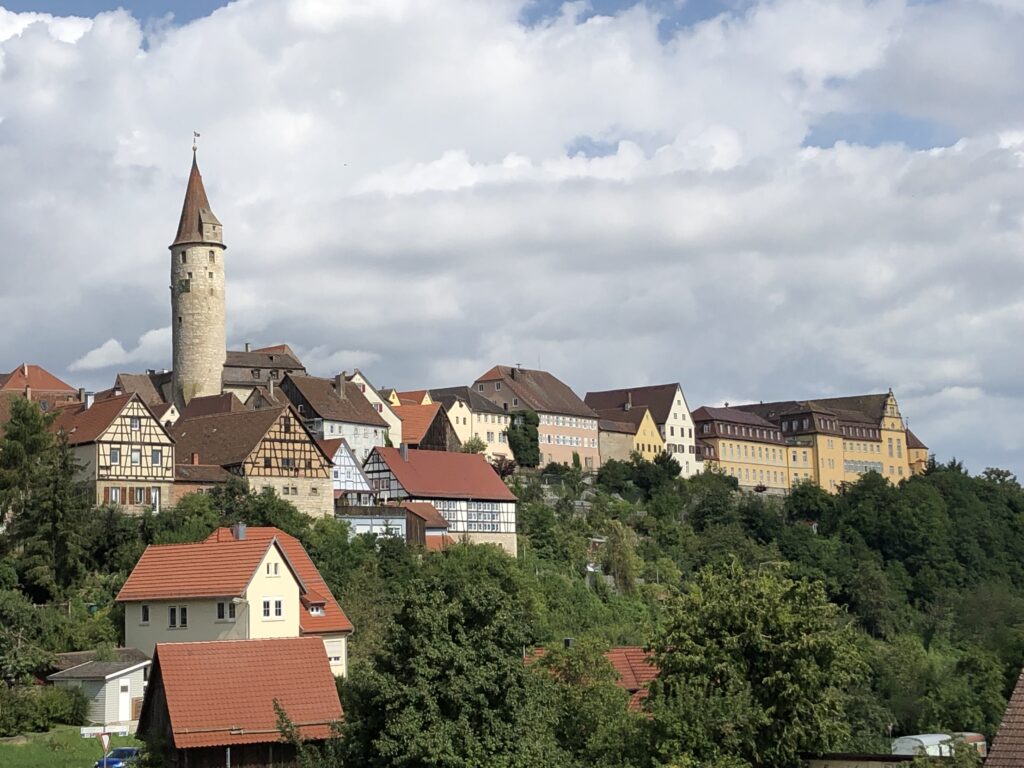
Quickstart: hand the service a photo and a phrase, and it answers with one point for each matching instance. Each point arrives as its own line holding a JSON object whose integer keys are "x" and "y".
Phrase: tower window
{"x": 189, "y": 275}
{"x": 179, "y": 319}
{"x": 210, "y": 275}
{"x": 213, "y": 257}
{"x": 184, "y": 258}
{"x": 184, "y": 286}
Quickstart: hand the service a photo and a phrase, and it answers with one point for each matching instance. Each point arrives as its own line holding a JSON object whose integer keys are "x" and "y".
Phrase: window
{"x": 266, "y": 609}
{"x": 226, "y": 611}
{"x": 115, "y": 455}
{"x": 278, "y": 609}
{"x": 213, "y": 257}
{"x": 497, "y": 386}
{"x": 136, "y": 423}
{"x": 184, "y": 258}
{"x": 286, "y": 423}
{"x": 272, "y": 569}
{"x": 115, "y": 495}
{"x": 136, "y": 457}
{"x": 183, "y": 615}
{"x": 138, "y": 495}
{"x": 172, "y": 616}
{"x": 515, "y": 401}
{"x": 143, "y": 614}
{"x": 479, "y": 387}
{"x": 157, "y": 457}
{"x": 266, "y": 462}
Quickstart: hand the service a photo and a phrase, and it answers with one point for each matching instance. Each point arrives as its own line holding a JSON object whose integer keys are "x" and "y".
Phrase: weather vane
{"x": 195, "y": 138}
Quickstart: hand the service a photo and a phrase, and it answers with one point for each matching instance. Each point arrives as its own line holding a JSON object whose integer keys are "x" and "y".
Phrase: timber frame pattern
{"x": 287, "y": 449}
{"x": 135, "y": 433}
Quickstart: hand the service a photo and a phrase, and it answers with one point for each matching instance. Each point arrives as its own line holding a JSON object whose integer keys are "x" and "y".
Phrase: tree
{"x": 26, "y": 449}
{"x": 754, "y": 666}
{"x": 523, "y": 438}
{"x": 504, "y": 466}
{"x": 619, "y": 557}
{"x": 447, "y": 686}
{"x": 475, "y": 444}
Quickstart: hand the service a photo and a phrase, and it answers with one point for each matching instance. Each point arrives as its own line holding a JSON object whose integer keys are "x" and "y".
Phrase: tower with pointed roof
{"x": 197, "y": 296}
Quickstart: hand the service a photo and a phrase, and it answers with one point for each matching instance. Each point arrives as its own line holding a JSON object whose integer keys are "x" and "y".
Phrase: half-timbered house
{"x": 272, "y": 448}
{"x": 427, "y": 427}
{"x": 122, "y": 449}
{"x": 463, "y": 487}
{"x": 351, "y": 486}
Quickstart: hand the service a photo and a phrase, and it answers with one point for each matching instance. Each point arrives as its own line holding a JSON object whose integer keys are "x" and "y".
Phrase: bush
{"x": 33, "y": 709}
{"x": 68, "y": 706}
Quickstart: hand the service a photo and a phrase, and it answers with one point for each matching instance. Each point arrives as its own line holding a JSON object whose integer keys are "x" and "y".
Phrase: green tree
{"x": 523, "y": 438}
{"x": 754, "y": 666}
{"x": 475, "y": 444}
{"x": 26, "y": 452}
{"x": 447, "y": 686}
{"x": 619, "y": 556}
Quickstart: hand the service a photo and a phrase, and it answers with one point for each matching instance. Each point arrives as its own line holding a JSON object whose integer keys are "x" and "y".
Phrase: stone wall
{"x": 197, "y": 320}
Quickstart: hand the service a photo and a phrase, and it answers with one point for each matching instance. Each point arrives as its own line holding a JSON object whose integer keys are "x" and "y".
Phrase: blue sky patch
{"x": 872, "y": 129}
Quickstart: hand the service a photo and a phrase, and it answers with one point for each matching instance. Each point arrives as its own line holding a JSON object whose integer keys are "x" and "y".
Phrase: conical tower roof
{"x": 195, "y": 210}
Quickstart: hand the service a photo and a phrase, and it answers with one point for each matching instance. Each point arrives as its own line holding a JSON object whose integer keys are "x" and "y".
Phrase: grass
{"x": 61, "y": 747}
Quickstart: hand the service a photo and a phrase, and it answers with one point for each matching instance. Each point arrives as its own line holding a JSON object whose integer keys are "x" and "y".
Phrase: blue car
{"x": 122, "y": 757}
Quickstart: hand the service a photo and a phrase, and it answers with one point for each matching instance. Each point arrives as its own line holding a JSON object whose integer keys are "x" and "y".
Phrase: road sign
{"x": 104, "y": 741}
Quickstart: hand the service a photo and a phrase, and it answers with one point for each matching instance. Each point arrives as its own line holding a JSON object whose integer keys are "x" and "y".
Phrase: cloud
{"x": 425, "y": 189}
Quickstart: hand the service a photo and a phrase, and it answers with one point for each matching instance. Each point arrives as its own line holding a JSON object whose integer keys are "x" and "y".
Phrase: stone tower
{"x": 197, "y": 296}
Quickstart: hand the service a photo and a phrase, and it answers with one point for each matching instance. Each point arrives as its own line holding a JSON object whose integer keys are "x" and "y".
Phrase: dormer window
{"x": 316, "y": 610}
{"x": 136, "y": 423}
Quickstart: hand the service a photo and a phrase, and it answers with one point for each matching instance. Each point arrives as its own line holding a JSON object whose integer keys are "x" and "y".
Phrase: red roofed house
{"x": 39, "y": 385}
{"x": 463, "y": 487}
{"x": 351, "y": 486}
{"x": 633, "y": 668}
{"x": 567, "y": 424}
{"x": 238, "y": 584}
{"x": 123, "y": 450}
{"x": 427, "y": 427}
{"x": 212, "y": 704}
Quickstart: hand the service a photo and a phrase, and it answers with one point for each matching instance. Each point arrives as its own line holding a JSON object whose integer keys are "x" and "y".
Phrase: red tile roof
{"x": 633, "y": 667}
{"x": 1008, "y": 747}
{"x": 220, "y": 693}
{"x": 439, "y": 543}
{"x": 416, "y": 420}
{"x": 170, "y": 571}
{"x": 446, "y": 475}
{"x": 330, "y": 447}
{"x": 83, "y": 425}
{"x": 411, "y": 397}
{"x": 37, "y": 377}
{"x": 334, "y": 619}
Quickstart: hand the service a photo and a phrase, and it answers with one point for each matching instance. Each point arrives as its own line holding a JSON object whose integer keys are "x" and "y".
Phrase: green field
{"x": 60, "y": 748}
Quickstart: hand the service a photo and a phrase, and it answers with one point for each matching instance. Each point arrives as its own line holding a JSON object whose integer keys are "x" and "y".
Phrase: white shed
{"x": 114, "y": 689}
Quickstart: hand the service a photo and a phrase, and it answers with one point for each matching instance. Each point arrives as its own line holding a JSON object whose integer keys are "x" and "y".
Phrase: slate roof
{"x": 609, "y": 425}
{"x": 658, "y": 397}
{"x": 36, "y": 377}
{"x": 97, "y": 670}
{"x": 476, "y": 402}
{"x": 151, "y": 387}
{"x": 733, "y": 416}
{"x": 446, "y": 475}
{"x": 83, "y": 425}
{"x": 224, "y": 439}
{"x": 220, "y": 693}
{"x": 194, "y": 209}
{"x": 539, "y": 391}
{"x": 416, "y": 420}
{"x": 631, "y": 418}
{"x": 863, "y": 409}
{"x": 280, "y": 357}
{"x": 334, "y": 618}
{"x": 1007, "y": 750}
{"x": 913, "y": 441}
{"x": 63, "y": 661}
{"x": 171, "y": 571}
{"x": 323, "y": 398}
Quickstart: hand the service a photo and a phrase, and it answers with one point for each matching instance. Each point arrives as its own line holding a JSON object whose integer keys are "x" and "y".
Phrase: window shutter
{"x": 124, "y": 496}
{"x": 149, "y": 495}
{"x": 106, "y": 495}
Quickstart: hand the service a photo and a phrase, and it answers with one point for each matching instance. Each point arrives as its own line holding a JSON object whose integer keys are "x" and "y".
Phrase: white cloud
{"x": 401, "y": 191}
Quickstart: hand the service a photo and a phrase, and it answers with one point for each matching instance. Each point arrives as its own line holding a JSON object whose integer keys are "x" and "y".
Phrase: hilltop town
{"x": 243, "y": 514}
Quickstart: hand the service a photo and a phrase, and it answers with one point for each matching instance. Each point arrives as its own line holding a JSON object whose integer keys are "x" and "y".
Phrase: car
{"x": 120, "y": 757}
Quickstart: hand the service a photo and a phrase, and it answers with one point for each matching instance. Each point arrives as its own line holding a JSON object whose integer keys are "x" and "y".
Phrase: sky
{"x": 770, "y": 200}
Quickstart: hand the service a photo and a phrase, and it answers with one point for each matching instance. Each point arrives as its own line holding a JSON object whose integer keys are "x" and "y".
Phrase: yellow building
{"x": 750, "y": 448}
{"x": 639, "y": 424}
{"x": 917, "y": 452}
{"x": 836, "y": 440}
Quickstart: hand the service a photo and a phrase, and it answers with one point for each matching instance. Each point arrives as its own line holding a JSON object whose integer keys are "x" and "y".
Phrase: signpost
{"x": 104, "y": 741}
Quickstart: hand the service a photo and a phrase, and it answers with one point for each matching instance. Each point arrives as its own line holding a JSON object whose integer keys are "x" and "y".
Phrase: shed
{"x": 114, "y": 689}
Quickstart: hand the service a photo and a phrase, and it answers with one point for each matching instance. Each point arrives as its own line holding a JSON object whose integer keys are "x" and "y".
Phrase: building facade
{"x": 748, "y": 448}
{"x": 473, "y": 415}
{"x": 567, "y": 425}
{"x": 380, "y": 404}
{"x": 35, "y": 383}
{"x": 351, "y": 486}
{"x": 462, "y": 487}
{"x": 670, "y": 412}
{"x": 123, "y": 451}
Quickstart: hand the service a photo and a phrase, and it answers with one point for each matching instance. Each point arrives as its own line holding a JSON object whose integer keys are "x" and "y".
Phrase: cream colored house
{"x": 238, "y": 584}
{"x": 473, "y": 415}
{"x": 380, "y": 403}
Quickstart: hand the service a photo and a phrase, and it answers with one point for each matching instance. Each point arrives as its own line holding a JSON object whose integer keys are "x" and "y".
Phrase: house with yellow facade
{"x": 473, "y": 415}
{"x": 749, "y": 448}
{"x": 636, "y": 422}
{"x": 238, "y": 584}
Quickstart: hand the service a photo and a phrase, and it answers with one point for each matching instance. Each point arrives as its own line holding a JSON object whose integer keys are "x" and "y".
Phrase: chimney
{"x": 28, "y": 392}
{"x": 195, "y": 459}
{"x": 24, "y": 371}
{"x": 629, "y": 401}
{"x": 568, "y": 642}
{"x": 238, "y": 530}
{"x": 81, "y": 394}
{"x": 90, "y": 398}
{"x": 118, "y": 391}
{"x": 339, "y": 385}
{"x": 270, "y": 388}
{"x": 404, "y": 451}
{"x": 248, "y": 347}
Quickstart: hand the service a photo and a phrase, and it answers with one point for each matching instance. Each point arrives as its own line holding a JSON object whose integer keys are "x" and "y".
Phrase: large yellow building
{"x": 639, "y": 424}
{"x": 836, "y": 440}
{"x": 751, "y": 449}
